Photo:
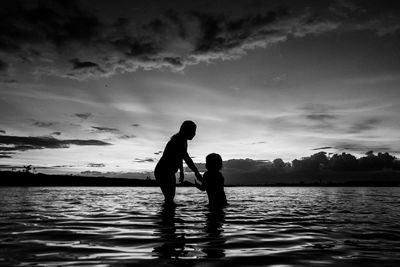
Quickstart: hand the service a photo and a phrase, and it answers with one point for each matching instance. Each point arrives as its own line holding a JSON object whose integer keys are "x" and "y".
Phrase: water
{"x": 278, "y": 226}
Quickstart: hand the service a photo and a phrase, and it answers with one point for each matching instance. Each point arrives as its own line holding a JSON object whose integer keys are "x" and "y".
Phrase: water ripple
{"x": 261, "y": 227}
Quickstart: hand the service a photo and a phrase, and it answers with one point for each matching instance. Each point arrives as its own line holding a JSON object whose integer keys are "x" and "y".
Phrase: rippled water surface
{"x": 262, "y": 226}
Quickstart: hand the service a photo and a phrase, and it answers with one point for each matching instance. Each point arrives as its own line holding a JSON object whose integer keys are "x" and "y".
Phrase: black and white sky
{"x": 102, "y": 85}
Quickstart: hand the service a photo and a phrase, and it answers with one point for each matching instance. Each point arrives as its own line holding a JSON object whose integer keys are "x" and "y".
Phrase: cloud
{"x": 83, "y": 116}
{"x": 144, "y": 160}
{"x": 384, "y": 25}
{"x": 105, "y": 130}
{"x": 127, "y": 136}
{"x": 365, "y": 125}
{"x": 71, "y": 41}
{"x": 362, "y": 146}
{"x": 6, "y": 154}
{"x": 344, "y": 8}
{"x": 56, "y": 133}
{"x": 96, "y": 165}
{"x": 158, "y": 152}
{"x": 62, "y": 166}
{"x": 118, "y": 133}
{"x": 136, "y": 125}
{"x": 24, "y": 143}
{"x": 3, "y": 66}
{"x": 77, "y": 64}
{"x": 2, "y": 132}
{"x": 321, "y": 117}
{"x": 43, "y": 124}
{"x": 322, "y": 148}
{"x": 258, "y": 143}
{"x": 78, "y": 43}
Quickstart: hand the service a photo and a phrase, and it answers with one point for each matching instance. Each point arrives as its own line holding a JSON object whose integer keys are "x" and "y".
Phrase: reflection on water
{"x": 261, "y": 227}
{"x": 172, "y": 243}
{"x": 215, "y": 244}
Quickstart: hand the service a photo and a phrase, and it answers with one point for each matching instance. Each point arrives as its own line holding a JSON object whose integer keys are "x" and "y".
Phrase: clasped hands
{"x": 197, "y": 174}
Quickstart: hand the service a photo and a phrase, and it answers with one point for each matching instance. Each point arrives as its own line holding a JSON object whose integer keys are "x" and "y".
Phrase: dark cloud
{"x": 6, "y": 154}
{"x": 2, "y": 132}
{"x": 37, "y": 32}
{"x": 62, "y": 166}
{"x": 99, "y": 48}
{"x": 96, "y": 165}
{"x": 84, "y": 116}
{"x": 8, "y": 80}
{"x": 344, "y": 8}
{"x": 56, "y": 133}
{"x": 221, "y": 33}
{"x": 3, "y": 66}
{"x": 23, "y": 143}
{"x": 127, "y": 136}
{"x": 144, "y": 160}
{"x": 83, "y": 65}
{"x": 258, "y": 143}
{"x": 322, "y": 148}
{"x": 136, "y": 125}
{"x": 43, "y": 124}
{"x": 105, "y": 130}
{"x": 361, "y": 147}
{"x": 321, "y": 117}
{"x": 118, "y": 133}
{"x": 158, "y": 152}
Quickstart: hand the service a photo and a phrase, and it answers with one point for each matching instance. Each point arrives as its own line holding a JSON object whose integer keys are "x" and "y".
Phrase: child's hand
{"x": 198, "y": 186}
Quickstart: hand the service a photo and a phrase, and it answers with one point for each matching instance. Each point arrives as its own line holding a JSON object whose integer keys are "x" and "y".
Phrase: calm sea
{"x": 262, "y": 226}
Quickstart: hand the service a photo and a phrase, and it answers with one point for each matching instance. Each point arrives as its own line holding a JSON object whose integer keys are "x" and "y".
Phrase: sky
{"x": 100, "y": 86}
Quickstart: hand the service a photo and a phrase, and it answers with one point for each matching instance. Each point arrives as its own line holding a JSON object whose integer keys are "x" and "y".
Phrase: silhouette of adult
{"x": 172, "y": 161}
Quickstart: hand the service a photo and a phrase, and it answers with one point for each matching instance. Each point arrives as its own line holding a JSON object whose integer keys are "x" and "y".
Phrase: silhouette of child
{"x": 213, "y": 181}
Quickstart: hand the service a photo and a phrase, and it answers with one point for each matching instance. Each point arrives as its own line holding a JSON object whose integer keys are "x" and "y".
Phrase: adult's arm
{"x": 193, "y": 167}
{"x": 181, "y": 172}
{"x": 190, "y": 163}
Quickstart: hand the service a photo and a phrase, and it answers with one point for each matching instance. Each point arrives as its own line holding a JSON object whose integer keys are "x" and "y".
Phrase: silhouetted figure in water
{"x": 213, "y": 182}
{"x": 171, "y": 161}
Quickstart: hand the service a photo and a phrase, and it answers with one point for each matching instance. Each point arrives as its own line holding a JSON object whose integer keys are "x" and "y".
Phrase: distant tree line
{"x": 339, "y": 162}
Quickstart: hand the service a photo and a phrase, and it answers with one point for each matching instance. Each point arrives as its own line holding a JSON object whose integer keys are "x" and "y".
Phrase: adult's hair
{"x": 187, "y": 127}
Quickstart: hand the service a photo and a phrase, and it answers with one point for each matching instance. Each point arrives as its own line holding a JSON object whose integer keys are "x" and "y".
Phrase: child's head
{"x": 213, "y": 162}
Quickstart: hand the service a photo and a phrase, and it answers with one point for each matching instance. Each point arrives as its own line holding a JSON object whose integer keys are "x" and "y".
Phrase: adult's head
{"x": 188, "y": 129}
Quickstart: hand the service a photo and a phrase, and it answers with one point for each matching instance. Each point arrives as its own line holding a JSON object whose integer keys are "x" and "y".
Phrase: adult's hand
{"x": 198, "y": 176}
{"x": 181, "y": 177}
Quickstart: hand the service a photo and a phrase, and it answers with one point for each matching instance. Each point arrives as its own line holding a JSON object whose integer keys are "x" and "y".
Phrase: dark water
{"x": 280, "y": 226}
